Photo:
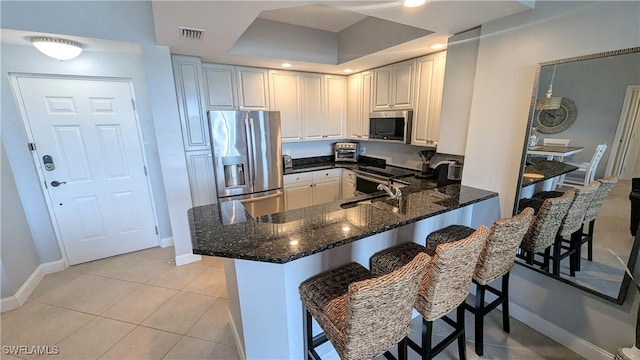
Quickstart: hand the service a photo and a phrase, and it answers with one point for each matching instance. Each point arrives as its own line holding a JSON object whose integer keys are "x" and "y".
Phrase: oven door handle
{"x": 371, "y": 177}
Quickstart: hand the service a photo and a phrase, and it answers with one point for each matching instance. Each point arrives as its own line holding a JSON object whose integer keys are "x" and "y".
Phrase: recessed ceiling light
{"x": 286, "y": 65}
{"x": 347, "y": 71}
{"x": 437, "y": 46}
{"x": 413, "y": 3}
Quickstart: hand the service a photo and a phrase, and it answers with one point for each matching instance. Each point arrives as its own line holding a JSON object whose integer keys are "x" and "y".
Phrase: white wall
{"x": 509, "y": 51}
{"x": 460, "y": 71}
{"x": 19, "y": 256}
{"x": 111, "y": 20}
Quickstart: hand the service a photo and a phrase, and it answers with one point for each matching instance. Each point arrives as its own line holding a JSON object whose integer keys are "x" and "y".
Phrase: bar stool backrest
{"x": 499, "y": 251}
{"x": 574, "y": 218}
{"x": 448, "y": 278}
{"x": 606, "y": 185}
{"x": 542, "y": 232}
{"x": 379, "y": 310}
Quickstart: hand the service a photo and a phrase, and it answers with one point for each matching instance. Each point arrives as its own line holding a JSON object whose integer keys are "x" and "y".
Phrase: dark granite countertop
{"x": 227, "y": 230}
{"x": 540, "y": 170}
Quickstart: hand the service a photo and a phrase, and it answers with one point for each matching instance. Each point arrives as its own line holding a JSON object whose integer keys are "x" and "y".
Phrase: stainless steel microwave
{"x": 391, "y": 126}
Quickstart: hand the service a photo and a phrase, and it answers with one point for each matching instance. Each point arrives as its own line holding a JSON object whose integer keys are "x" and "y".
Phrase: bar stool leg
{"x": 505, "y": 303}
{"x": 479, "y": 319}
{"x": 427, "y": 332}
{"x": 402, "y": 349}
{"x": 590, "y": 242}
{"x": 462, "y": 349}
{"x": 556, "y": 255}
{"x": 307, "y": 322}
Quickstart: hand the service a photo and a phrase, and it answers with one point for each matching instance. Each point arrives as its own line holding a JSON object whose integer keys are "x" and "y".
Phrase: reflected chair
{"x": 496, "y": 260}
{"x": 542, "y": 233}
{"x": 556, "y": 142}
{"x": 571, "y": 229}
{"x": 444, "y": 287}
{"x": 362, "y": 315}
{"x": 586, "y": 171}
{"x": 606, "y": 185}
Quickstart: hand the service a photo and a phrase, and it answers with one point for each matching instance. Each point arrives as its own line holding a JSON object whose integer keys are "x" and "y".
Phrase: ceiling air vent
{"x": 190, "y": 33}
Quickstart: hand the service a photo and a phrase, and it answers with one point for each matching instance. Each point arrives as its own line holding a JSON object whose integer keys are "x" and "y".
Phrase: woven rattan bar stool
{"x": 542, "y": 233}
{"x": 444, "y": 287}
{"x": 606, "y": 185}
{"x": 362, "y": 315}
{"x": 496, "y": 260}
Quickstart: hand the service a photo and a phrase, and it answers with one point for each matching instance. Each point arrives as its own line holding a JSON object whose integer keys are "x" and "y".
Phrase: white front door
{"x": 88, "y": 150}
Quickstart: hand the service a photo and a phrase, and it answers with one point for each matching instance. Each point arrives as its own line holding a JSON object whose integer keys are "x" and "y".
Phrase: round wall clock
{"x": 553, "y": 121}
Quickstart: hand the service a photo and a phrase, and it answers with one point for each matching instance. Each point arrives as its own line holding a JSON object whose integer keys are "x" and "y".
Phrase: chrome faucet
{"x": 389, "y": 189}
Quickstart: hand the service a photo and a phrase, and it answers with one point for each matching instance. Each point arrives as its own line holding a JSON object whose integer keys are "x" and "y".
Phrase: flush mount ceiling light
{"x": 549, "y": 102}
{"x": 413, "y": 3}
{"x": 57, "y": 48}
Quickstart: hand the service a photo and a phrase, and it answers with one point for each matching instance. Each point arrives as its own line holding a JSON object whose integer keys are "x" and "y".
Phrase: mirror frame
{"x": 626, "y": 280}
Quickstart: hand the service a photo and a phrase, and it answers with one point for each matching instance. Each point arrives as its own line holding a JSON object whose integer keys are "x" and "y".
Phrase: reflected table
{"x": 553, "y": 151}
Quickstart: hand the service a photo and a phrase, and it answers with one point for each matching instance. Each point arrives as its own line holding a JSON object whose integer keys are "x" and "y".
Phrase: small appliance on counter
{"x": 287, "y": 161}
{"x": 448, "y": 172}
{"x": 425, "y": 156}
{"x": 345, "y": 151}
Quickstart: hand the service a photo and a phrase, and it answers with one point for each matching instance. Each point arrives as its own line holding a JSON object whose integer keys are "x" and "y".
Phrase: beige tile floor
{"x": 141, "y": 306}
{"x": 133, "y": 306}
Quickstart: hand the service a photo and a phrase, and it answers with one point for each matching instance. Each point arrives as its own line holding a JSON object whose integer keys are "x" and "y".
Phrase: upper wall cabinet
{"x": 429, "y": 83}
{"x": 253, "y": 85}
{"x": 393, "y": 86}
{"x": 221, "y": 86}
{"x": 335, "y": 109}
{"x": 359, "y": 104}
{"x": 312, "y": 106}
{"x": 193, "y": 119}
{"x": 285, "y": 94}
{"x": 236, "y": 88}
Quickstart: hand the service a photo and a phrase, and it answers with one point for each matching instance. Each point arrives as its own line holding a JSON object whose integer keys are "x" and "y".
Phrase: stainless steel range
{"x": 369, "y": 177}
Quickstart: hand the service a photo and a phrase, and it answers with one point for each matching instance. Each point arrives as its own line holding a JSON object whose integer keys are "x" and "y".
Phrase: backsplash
{"x": 394, "y": 154}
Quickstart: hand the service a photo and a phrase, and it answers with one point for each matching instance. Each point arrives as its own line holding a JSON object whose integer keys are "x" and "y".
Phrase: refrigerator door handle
{"x": 251, "y": 142}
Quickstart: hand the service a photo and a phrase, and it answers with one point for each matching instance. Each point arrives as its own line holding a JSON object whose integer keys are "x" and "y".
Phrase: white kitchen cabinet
{"x": 298, "y": 196}
{"x": 359, "y": 105}
{"x": 430, "y": 84}
{"x": 348, "y": 184}
{"x": 335, "y": 106}
{"x": 253, "y": 88}
{"x": 284, "y": 94}
{"x": 201, "y": 177}
{"x": 220, "y": 86}
{"x": 394, "y": 86}
{"x": 326, "y": 186}
{"x": 187, "y": 72}
{"x": 311, "y": 188}
{"x": 311, "y": 105}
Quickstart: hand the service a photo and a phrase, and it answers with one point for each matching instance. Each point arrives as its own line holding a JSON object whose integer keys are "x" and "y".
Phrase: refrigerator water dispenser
{"x": 234, "y": 175}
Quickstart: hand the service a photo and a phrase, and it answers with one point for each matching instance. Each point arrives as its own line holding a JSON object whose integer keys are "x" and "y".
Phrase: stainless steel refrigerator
{"x": 247, "y": 158}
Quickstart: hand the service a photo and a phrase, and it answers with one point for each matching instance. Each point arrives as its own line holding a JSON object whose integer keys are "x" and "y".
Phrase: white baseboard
{"x": 21, "y": 296}
{"x": 562, "y": 336}
{"x": 166, "y": 242}
{"x": 187, "y": 259}
{"x": 236, "y": 337}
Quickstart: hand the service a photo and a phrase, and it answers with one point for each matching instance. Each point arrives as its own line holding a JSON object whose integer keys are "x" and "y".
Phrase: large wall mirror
{"x": 579, "y": 104}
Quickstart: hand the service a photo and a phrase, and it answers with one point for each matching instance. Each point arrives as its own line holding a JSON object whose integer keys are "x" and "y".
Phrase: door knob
{"x": 57, "y": 183}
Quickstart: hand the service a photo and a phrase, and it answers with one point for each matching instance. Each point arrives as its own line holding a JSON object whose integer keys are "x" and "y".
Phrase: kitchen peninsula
{"x": 270, "y": 255}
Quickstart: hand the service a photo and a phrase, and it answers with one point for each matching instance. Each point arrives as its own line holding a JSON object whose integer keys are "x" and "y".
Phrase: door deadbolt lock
{"x": 57, "y": 183}
{"x": 48, "y": 163}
